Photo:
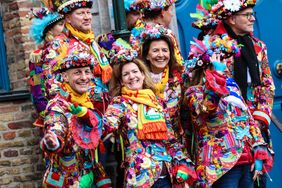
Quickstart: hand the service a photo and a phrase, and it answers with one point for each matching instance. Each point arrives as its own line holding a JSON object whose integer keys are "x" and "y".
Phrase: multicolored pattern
{"x": 122, "y": 52}
{"x": 143, "y": 159}
{"x": 224, "y": 127}
{"x": 43, "y": 19}
{"x": 210, "y": 12}
{"x": 143, "y": 31}
{"x": 66, "y": 6}
{"x": 70, "y": 161}
{"x": 152, "y": 5}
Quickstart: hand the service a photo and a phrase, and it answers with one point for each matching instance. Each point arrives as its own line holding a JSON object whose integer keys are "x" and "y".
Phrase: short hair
{"x": 153, "y": 14}
{"x": 116, "y": 80}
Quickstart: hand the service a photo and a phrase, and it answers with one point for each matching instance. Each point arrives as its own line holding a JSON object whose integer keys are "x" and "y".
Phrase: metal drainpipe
{"x": 121, "y": 30}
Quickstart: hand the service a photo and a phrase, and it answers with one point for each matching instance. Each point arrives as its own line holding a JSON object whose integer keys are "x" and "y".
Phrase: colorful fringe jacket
{"x": 78, "y": 138}
{"x": 143, "y": 158}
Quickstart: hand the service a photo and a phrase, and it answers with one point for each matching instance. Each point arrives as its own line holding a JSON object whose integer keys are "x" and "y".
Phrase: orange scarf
{"x": 105, "y": 69}
{"x": 151, "y": 122}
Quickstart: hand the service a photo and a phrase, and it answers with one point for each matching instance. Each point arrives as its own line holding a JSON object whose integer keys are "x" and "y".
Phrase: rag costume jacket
{"x": 144, "y": 159}
{"x": 224, "y": 130}
{"x": 78, "y": 138}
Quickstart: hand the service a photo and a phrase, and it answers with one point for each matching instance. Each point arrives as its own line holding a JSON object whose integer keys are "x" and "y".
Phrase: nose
{"x": 130, "y": 76}
{"x": 83, "y": 76}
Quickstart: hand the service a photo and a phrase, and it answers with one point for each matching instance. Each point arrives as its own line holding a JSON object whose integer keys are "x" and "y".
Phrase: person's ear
{"x": 231, "y": 20}
{"x": 67, "y": 19}
{"x": 65, "y": 77}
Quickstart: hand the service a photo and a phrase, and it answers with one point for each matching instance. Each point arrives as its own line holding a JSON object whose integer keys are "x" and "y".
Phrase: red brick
{"x": 9, "y": 135}
{"x": 20, "y": 125}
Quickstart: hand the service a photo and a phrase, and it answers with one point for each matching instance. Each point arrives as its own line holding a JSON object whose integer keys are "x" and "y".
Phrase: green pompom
{"x": 87, "y": 180}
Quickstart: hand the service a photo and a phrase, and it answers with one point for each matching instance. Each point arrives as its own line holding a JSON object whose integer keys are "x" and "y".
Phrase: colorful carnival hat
{"x": 210, "y": 12}
{"x": 66, "y": 6}
{"x": 202, "y": 51}
{"x": 152, "y": 5}
{"x": 43, "y": 19}
{"x": 73, "y": 57}
{"x": 122, "y": 52}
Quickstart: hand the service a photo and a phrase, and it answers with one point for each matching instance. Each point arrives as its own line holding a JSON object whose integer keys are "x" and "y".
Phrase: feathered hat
{"x": 152, "y": 5}
{"x": 202, "y": 51}
{"x": 43, "y": 19}
{"x": 66, "y": 6}
{"x": 72, "y": 57}
{"x": 122, "y": 52}
{"x": 209, "y": 12}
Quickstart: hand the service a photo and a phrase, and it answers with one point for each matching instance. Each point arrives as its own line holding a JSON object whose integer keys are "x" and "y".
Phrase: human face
{"x": 80, "y": 19}
{"x": 57, "y": 28}
{"x": 158, "y": 56}
{"x": 243, "y": 22}
{"x": 131, "y": 18}
{"x": 132, "y": 77}
{"x": 167, "y": 16}
{"x": 78, "y": 79}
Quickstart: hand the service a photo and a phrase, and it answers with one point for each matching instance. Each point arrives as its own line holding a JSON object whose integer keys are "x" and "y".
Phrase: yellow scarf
{"x": 88, "y": 38}
{"x": 160, "y": 86}
{"x": 151, "y": 122}
{"x": 82, "y": 100}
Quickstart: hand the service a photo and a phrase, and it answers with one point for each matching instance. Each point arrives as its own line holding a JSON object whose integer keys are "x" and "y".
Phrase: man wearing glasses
{"x": 251, "y": 72}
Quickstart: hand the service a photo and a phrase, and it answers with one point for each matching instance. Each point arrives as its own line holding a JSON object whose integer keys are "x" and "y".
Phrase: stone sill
{"x": 14, "y": 95}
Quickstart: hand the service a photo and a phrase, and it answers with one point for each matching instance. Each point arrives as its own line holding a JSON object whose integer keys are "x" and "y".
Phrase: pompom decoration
{"x": 43, "y": 19}
{"x": 151, "y": 5}
{"x": 122, "y": 52}
{"x": 201, "y": 51}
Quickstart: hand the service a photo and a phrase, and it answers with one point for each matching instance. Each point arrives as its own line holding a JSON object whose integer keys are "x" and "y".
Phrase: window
{"x": 4, "y": 77}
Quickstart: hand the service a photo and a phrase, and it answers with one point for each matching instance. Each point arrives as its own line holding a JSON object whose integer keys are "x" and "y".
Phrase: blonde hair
{"x": 115, "y": 82}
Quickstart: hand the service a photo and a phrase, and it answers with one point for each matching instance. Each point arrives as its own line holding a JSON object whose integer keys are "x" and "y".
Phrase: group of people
{"x": 199, "y": 122}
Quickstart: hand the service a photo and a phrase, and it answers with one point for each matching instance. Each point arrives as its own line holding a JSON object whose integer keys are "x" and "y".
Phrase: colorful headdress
{"x": 201, "y": 51}
{"x": 66, "y": 6}
{"x": 146, "y": 31}
{"x": 209, "y": 12}
{"x": 43, "y": 19}
{"x": 122, "y": 52}
{"x": 73, "y": 58}
{"x": 151, "y": 5}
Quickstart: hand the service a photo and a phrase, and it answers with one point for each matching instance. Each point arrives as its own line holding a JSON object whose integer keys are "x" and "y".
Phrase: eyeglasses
{"x": 248, "y": 15}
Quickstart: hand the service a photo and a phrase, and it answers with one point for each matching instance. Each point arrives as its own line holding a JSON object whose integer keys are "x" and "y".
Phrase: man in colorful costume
{"x": 71, "y": 125}
{"x": 228, "y": 135}
{"x": 79, "y": 33}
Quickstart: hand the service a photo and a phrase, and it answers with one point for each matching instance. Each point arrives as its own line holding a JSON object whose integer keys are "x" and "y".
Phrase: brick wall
{"x": 20, "y": 157}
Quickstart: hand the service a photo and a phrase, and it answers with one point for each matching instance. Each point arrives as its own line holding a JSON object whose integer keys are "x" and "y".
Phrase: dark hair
{"x": 115, "y": 82}
{"x": 173, "y": 65}
{"x": 153, "y": 14}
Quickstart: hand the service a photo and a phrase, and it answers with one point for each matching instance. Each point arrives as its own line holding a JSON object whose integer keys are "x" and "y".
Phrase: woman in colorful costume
{"x": 155, "y": 12}
{"x": 71, "y": 132}
{"x": 46, "y": 25}
{"x": 158, "y": 54}
{"x": 153, "y": 157}
{"x": 230, "y": 149}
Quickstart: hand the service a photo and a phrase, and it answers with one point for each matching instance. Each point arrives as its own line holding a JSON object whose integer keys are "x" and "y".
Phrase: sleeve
{"x": 113, "y": 116}
{"x": 36, "y": 82}
{"x": 265, "y": 92}
{"x": 57, "y": 123}
{"x": 179, "y": 155}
